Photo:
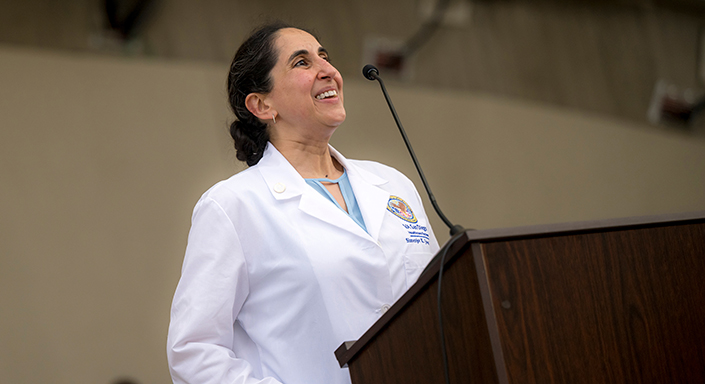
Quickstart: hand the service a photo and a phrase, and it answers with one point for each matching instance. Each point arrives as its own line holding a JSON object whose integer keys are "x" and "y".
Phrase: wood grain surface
{"x": 612, "y": 307}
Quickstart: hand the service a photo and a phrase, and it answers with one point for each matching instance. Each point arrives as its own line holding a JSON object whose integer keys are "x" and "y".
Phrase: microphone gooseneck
{"x": 371, "y": 73}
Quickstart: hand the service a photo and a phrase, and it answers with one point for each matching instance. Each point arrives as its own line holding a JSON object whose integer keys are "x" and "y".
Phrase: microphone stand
{"x": 456, "y": 231}
{"x": 371, "y": 73}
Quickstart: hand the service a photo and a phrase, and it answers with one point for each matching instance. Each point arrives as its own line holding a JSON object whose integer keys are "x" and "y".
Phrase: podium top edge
{"x": 584, "y": 226}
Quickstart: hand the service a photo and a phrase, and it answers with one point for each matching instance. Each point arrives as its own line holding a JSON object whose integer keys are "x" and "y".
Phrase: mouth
{"x": 327, "y": 94}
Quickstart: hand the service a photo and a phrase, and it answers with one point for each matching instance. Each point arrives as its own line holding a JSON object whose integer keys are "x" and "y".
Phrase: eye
{"x": 300, "y": 62}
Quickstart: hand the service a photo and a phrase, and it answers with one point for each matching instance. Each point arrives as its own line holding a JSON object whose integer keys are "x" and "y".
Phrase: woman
{"x": 303, "y": 250}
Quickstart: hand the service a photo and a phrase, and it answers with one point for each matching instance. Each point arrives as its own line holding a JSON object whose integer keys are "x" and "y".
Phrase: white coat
{"x": 276, "y": 277}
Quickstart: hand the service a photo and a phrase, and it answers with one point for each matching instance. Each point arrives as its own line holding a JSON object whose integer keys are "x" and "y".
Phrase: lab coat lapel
{"x": 314, "y": 204}
{"x": 284, "y": 182}
{"x": 371, "y": 199}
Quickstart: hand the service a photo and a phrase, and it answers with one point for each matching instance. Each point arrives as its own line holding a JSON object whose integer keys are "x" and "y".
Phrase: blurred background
{"x": 113, "y": 121}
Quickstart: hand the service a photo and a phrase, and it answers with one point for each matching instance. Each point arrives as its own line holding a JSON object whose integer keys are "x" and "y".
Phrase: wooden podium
{"x": 615, "y": 301}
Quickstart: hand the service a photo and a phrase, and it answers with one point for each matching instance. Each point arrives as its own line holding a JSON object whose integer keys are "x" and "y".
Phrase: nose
{"x": 326, "y": 69}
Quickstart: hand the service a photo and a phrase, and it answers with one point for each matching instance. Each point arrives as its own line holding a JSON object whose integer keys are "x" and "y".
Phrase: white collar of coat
{"x": 279, "y": 174}
{"x": 284, "y": 182}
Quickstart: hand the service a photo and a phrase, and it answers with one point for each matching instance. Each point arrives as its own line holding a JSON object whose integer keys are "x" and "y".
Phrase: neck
{"x": 310, "y": 159}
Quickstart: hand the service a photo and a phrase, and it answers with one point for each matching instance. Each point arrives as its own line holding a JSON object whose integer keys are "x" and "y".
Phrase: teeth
{"x": 327, "y": 94}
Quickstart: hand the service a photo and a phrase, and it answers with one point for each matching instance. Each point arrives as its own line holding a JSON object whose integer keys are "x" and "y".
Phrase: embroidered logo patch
{"x": 401, "y": 209}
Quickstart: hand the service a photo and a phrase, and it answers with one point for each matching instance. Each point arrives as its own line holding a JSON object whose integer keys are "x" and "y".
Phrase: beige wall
{"x": 102, "y": 159}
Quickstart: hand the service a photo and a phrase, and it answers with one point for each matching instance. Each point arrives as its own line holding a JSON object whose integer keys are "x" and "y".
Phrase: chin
{"x": 337, "y": 119}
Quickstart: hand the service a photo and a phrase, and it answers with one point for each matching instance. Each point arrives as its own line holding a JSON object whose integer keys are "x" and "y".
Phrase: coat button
{"x": 279, "y": 188}
{"x": 385, "y": 308}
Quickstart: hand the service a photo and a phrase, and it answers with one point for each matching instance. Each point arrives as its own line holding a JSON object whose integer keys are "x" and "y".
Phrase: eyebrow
{"x": 305, "y": 52}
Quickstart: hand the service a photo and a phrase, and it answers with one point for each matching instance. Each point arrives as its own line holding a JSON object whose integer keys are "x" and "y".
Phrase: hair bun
{"x": 250, "y": 141}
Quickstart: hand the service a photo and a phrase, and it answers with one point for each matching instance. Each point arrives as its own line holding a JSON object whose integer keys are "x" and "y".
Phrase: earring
{"x": 274, "y": 119}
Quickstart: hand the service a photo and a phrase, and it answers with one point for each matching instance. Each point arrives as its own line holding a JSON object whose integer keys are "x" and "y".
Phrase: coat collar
{"x": 371, "y": 198}
{"x": 284, "y": 182}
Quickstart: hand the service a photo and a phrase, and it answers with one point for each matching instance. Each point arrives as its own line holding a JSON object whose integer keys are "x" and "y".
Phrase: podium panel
{"x": 617, "y": 301}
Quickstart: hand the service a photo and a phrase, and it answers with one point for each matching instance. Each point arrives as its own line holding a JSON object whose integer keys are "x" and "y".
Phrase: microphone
{"x": 371, "y": 73}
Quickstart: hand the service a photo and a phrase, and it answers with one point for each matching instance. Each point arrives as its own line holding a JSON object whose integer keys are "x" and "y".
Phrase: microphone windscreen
{"x": 370, "y": 72}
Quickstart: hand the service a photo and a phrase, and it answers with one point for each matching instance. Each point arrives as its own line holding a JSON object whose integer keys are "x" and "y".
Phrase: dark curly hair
{"x": 250, "y": 73}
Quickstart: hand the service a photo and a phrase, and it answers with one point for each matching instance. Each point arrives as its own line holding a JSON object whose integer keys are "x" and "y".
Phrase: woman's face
{"x": 307, "y": 90}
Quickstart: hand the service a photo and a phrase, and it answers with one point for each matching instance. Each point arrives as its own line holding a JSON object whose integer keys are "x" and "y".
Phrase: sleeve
{"x": 210, "y": 294}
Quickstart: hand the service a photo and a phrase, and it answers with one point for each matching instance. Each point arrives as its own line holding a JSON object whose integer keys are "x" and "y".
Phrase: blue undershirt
{"x": 348, "y": 196}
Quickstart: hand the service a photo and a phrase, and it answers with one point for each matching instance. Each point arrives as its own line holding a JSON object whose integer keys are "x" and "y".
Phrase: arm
{"x": 210, "y": 294}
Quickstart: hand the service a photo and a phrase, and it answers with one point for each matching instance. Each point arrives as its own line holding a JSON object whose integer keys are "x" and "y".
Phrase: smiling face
{"x": 307, "y": 92}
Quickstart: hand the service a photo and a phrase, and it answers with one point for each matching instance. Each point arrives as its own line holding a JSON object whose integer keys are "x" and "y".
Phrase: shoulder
{"x": 381, "y": 170}
{"x": 378, "y": 169}
{"x": 235, "y": 188}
